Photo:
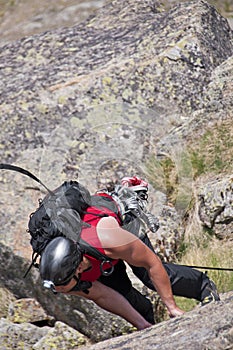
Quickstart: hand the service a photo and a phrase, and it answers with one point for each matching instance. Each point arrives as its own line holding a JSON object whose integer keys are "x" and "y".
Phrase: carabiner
{"x": 106, "y": 272}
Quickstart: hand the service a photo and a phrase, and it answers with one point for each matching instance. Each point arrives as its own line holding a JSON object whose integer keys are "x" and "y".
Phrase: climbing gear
{"x": 135, "y": 182}
{"x": 139, "y": 187}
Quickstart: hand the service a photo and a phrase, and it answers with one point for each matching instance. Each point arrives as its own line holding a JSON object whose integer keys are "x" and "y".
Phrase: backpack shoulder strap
{"x": 95, "y": 253}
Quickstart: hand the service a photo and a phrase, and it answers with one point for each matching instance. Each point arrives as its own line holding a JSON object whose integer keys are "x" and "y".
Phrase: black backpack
{"x": 58, "y": 214}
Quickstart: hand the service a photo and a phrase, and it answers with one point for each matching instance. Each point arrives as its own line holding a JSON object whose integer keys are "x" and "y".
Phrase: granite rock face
{"x": 131, "y": 53}
{"x": 215, "y": 206}
{"x": 104, "y": 95}
{"x": 209, "y": 327}
{"x": 78, "y": 313}
{"x": 104, "y": 99}
{"x": 27, "y": 336}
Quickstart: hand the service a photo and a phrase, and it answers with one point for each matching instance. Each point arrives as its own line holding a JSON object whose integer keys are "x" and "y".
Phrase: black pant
{"x": 185, "y": 281}
{"x": 120, "y": 282}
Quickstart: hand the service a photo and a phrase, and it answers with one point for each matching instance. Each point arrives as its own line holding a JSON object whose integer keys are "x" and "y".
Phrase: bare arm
{"x": 112, "y": 301}
{"x": 121, "y": 244}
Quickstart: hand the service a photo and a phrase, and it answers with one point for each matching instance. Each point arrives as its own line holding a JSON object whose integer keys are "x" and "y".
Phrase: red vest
{"x": 89, "y": 235}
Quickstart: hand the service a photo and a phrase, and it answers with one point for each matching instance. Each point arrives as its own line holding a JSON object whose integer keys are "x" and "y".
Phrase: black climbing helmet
{"x": 59, "y": 261}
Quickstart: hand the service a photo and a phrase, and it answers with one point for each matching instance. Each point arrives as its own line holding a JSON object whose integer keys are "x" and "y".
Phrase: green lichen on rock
{"x": 61, "y": 337}
{"x": 6, "y": 297}
{"x": 27, "y": 310}
{"x": 20, "y": 336}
